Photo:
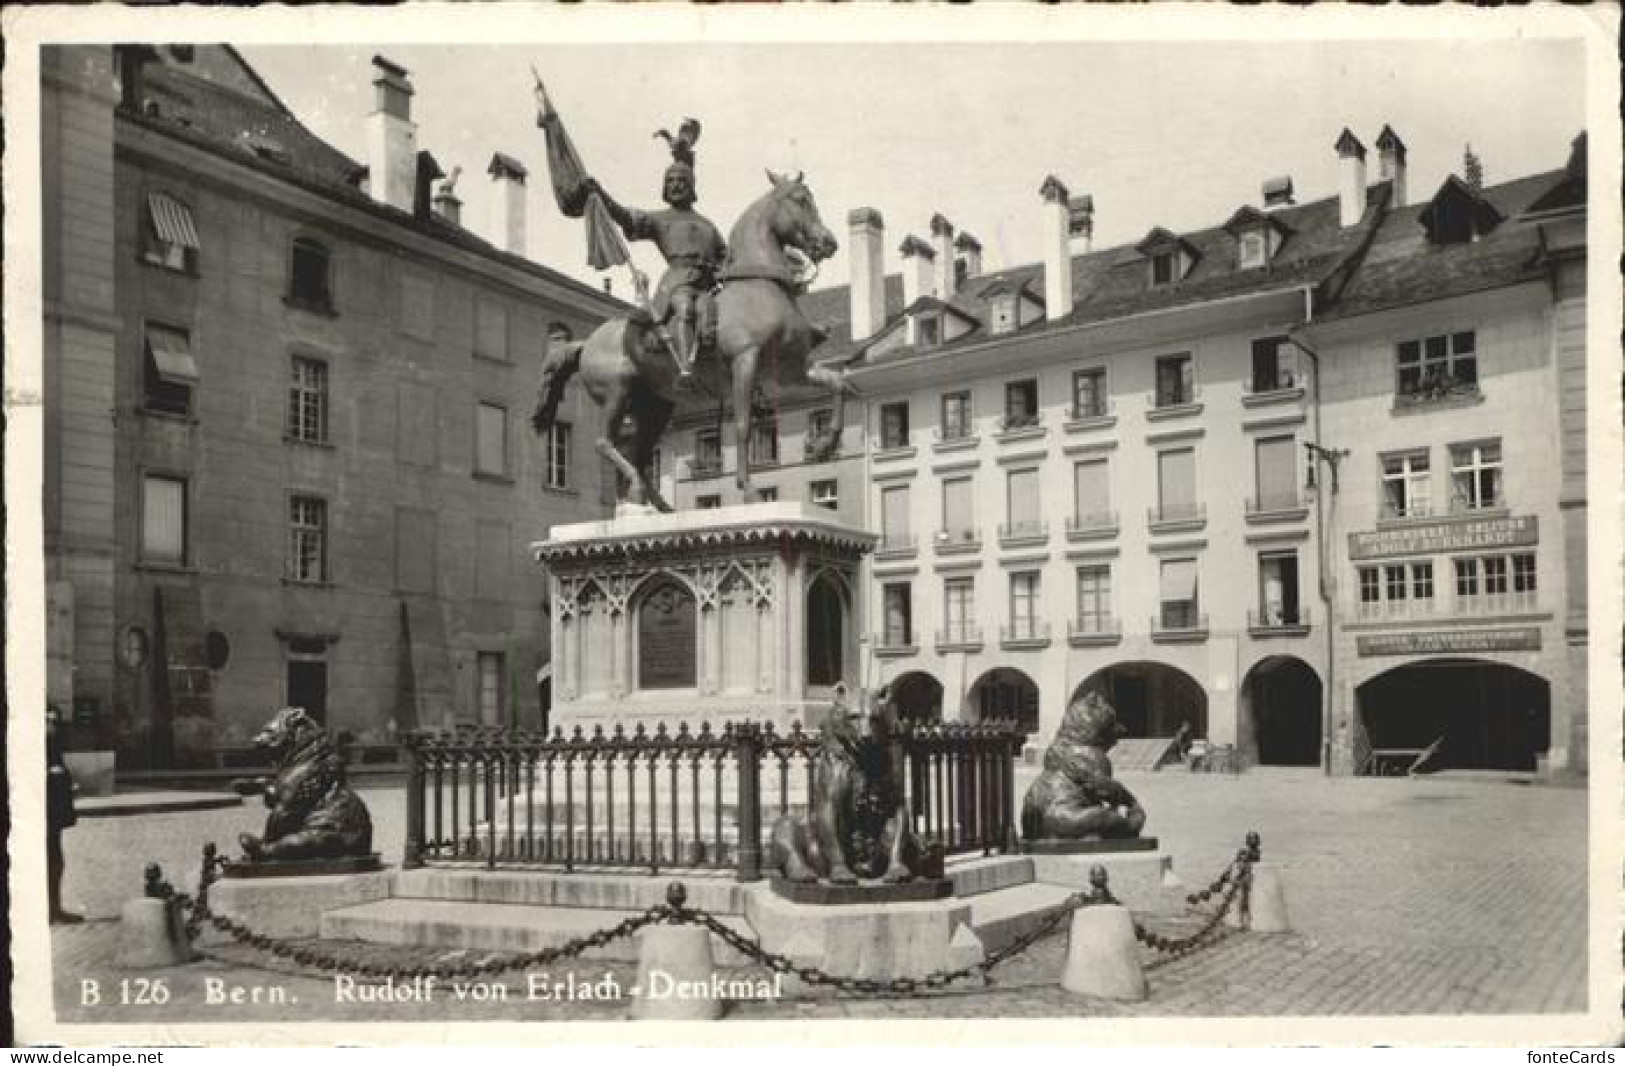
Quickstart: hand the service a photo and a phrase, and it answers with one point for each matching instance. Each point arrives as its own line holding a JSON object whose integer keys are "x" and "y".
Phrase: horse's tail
{"x": 558, "y": 367}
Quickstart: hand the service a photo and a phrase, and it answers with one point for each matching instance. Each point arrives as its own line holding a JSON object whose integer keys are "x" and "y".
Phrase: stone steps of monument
{"x": 497, "y": 927}
{"x": 1002, "y": 916}
{"x": 714, "y": 891}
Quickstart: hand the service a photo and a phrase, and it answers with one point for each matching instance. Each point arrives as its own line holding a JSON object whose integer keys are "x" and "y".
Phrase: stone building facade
{"x": 288, "y": 458}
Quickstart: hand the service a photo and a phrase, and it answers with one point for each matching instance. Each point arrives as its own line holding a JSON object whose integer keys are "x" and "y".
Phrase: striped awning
{"x": 172, "y": 221}
{"x": 171, "y": 354}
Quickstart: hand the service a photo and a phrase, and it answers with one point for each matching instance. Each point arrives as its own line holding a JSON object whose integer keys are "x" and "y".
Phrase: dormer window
{"x": 930, "y": 327}
{"x": 1170, "y": 258}
{"x": 1162, "y": 269}
{"x": 1258, "y": 237}
{"x": 1252, "y": 249}
{"x": 1458, "y": 214}
{"x": 1004, "y": 313}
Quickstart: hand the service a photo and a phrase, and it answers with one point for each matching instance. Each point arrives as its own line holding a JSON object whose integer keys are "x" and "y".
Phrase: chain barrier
{"x": 1232, "y": 888}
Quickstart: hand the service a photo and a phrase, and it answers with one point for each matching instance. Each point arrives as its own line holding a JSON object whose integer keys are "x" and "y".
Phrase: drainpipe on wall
{"x": 1322, "y": 585}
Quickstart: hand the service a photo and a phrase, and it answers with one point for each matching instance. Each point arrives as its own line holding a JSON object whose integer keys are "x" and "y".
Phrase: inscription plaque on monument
{"x": 666, "y": 647}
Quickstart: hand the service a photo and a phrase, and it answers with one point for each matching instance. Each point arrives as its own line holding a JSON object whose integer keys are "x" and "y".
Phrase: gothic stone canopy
{"x": 635, "y": 536}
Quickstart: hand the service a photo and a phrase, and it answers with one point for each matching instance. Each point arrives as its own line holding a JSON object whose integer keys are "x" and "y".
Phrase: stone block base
{"x": 293, "y": 906}
{"x": 1136, "y": 877}
{"x": 881, "y": 941}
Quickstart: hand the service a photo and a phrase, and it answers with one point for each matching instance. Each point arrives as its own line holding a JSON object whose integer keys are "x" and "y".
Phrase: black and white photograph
{"x": 815, "y": 522}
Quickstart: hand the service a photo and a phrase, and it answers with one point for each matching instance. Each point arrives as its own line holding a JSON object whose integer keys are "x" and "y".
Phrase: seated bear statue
{"x": 1076, "y": 796}
{"x": 314, "y": 814}
{"x": 855, "y": 828}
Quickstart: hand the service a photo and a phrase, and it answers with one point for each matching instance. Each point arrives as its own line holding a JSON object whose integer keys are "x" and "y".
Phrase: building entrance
{"x": 1281, "y": 712}
{"x": 1484, "y": 715}
{"x": 1151, "y": 699}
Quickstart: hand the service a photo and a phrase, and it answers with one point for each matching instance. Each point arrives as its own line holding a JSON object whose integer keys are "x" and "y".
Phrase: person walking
{"x": 59, "y": 815}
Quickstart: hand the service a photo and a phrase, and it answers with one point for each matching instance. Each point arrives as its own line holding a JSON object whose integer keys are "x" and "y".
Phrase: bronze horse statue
{"x": 762, "y": 336}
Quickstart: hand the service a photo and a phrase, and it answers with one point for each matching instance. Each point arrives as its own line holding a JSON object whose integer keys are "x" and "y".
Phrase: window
{"x": 490, "y": 330}
{"x": 1089, "y": 393}
{"x": 1405, "y": 486}
{"x": 1370, "y": 586}
{"x": 557, "y": 457}
{"x": 1435, "y": 368}
{"x": 1270, "y": 370}
{"x": 959, "y": 608}
{"x": 169, "y": 371}
{"x": 958, "y": 514}
{"x": 894, "y": 425}
{"x": 170, "y": 238}
{"x": 1466, "y": 577}
{"x": 491, "y": 688}
{"x": 309, "y": 276}
{"x": 1422, "y": 581}
{"x": 825, "y": 494}
{"x": 163, "y": 520}
{"x": 1023, "y": 503}
{"x": 767, "y": 495}
{"x": 1394, "y": 582}
{"x": 491, "y": 440}
{"x": 1176, "y": 485}
{"x": 1091, "y": 494}
{"x": 1475, "y": 476}
{"x": 1021, "y": 404}
{"x": 1004, "y": 314}
{"x": 307, "y": 539}
{"x": 1178, "y": 595}
{"x": 1278, "y": 588}
{"x": 930, "y": 330}
{"x": 894, "y": 525}
{"x": 707, "y": 453}
{"x": 1276, "y": 469}
{"x": 764, "y": 442}
{"x": 1094, "y": 599}
{"x": 956, "y": 416}
{"x": 820, "y": 424}
{"x": 1252, "y": 249}
{"x": 1495, "y": 575}
{"x": 1024, "y": 605}
{"x": 1396, "y": 590}
{"x": 1176, "y": 383}
{"x": 1162, "y": 268}
{"x": 707, "y": 503}
{"x": 307, "y": 401}
{"x": 899, "y": 615}
{"x": 1523, "y": 573}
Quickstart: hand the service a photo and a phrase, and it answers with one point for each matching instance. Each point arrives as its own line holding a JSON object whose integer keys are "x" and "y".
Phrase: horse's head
{"x": 794, "y": 221}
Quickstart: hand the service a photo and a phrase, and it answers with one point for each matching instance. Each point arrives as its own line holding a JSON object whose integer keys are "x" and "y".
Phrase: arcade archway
{"x": 1004, "y": 693}
{"x": 918, "y": 697}
{"x": 826, "y": 631}
{"x": 1152, "y": 699}
{"x": 1485, "y": 715}
{"x": 1281, "y": 712}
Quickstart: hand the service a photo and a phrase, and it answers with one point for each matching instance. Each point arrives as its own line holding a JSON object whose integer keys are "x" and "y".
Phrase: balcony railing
{"x": 1169, "y": 514}
{"x": 703, "y": 469}
{"x": 1080, "y": 412}
{"x": 1278, "y": 620}
{"x": 1177, "y": 624}
{"x": 1391, "y": 512}
{"x": 895, "y": 643}
{"x": 1015, "y": 532}
{"x": 896, "y": 544}
{"x": 1092, "y": 522}
{"x": 953, "y": 540}
{"x": 1094, "y": 628}
{"x": 1010, "y": 422}
{"x": 961, "y": 636}
{"x": 1276, "y": 504}
{"x": 1029, "y": 631}
{"x": 1162, "y": 399}
{"x": 1499, "y": 603}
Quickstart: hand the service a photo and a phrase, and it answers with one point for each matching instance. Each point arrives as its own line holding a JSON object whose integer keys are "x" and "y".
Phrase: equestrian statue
{"x": 725, "y": 310}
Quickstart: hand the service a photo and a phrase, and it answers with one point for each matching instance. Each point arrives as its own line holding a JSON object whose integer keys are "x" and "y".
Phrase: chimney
{"x": 1351, "y": 178}
{"x": 1278, "y": 192}
{"x": 1057, "y": 249}
{"x": 446, "y": 204}
{"x": 917, "y": 278}
{"x": 1081, "y": 222}
{"x": 509, "y": 175}
{"x": 970, "y": 250}
{"x": 942, "y": 240}
{"x": 1391, "y": 164}
{"x": 425, "y": 175}
{"x": 868, "y": 272}
{"x": 391, "y": 137}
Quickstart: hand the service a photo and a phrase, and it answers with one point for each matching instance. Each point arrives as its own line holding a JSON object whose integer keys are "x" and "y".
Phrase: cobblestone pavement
{"x": 1416, "y": 896}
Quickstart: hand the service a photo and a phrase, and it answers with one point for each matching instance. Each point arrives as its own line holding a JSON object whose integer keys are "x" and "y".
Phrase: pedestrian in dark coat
{"x": 59, "y": 815}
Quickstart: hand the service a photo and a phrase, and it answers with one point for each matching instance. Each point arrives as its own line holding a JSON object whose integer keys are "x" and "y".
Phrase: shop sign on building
{"x": 1449, "y": 641}
{"x": 1434, "y": 537}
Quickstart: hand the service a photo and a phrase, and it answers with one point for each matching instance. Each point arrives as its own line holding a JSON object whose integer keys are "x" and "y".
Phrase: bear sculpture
{"x": 1076, "y": 797}
{"x": 314, "y": 814}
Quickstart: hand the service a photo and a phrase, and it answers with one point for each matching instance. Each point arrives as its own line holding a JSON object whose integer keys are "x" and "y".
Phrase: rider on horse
{"x": 692, "y": 246}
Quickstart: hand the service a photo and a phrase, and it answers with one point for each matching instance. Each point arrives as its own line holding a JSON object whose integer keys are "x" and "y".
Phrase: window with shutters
{"x": 1091, "y": 496}
{"x": 170, "y": 238}
{"x": 894, "y": 425}
{"x": 1275, "y": 470}
{"x": 1022, "y": 505}
{"x": 1179, "y": 601}
{"x": 958, "y": 516}
{"x": 898, "y": 599}
{"x": 169, "y": 373}
{"x": 490, "y": 329}
{"x": 557, "y": 458}
{"x": 491, "y": 440}
{"x": 1176, "y": 486}
{"x": 307, "y": 401}
{"x": 895, "y": 531}
{"x": 1176, "y": 380}
{"x": 310, "y": 275}
{"x": 307, "y": 540}
{"x": 163, "y": 520}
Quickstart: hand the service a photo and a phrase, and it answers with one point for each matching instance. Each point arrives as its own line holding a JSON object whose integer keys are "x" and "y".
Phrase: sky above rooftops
{"x": 1173, "y": 134}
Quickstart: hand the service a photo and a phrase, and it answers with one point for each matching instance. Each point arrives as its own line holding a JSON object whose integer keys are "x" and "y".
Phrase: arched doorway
{"x": 918, "y": 696}
{"x": 1151, "y": 699}
{"x": 1004, "y": 693}
{"x": 1281, "y": 712}
{"x": 826, "y": 631}
{"x": 1485, "y": 715}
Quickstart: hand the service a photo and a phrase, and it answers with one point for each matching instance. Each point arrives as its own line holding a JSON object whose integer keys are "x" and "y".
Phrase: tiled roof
{"x": 218, "y": 102}
{"x": 1403, "y": 268}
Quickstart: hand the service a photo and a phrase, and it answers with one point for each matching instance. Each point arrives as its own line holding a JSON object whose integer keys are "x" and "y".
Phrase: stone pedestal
{"x": 881, "y": 940}
{"x": 1135, "y": 877}
{"x": 285, "y": 907}
{"x": 732, "y": 613}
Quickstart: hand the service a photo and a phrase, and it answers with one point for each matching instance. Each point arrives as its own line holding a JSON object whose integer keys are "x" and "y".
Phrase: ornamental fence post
{"x": 748, "y": 738}
{"x": 412, "y": 855}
